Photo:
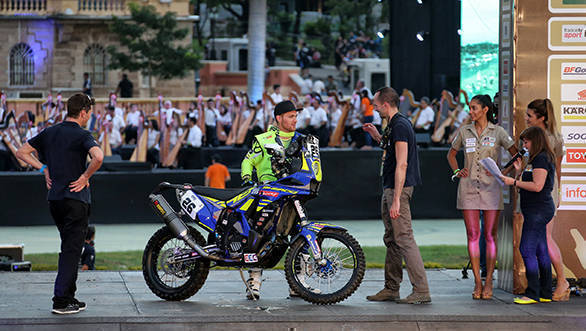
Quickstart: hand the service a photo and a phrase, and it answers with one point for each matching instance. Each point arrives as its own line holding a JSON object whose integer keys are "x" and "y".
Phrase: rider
{"x": 286, "y": 117}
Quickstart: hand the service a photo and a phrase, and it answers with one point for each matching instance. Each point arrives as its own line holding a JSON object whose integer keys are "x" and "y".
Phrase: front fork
{"x": 308, "y": 234}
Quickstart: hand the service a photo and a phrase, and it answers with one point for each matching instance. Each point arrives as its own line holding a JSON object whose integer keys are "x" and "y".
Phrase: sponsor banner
{"x": 573, "y": 113}
{"x": 506, "y": 31}
{"x": 567, "y": 34}
{"x": 567, "y": 6}
{"x": 573, "y": 92}
{"x": 573, "y": 193}
{"x": 574, "y": 135}
{"x": 576, "y": 155}
{"x": 506, "y": 5}
{"x": 573, "y": 33}
{"x": 574, "y": 71}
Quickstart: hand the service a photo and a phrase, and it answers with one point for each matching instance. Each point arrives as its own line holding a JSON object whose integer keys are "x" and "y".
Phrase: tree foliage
{"x": 152, "y": 44}
{"x": 354, "y": 15}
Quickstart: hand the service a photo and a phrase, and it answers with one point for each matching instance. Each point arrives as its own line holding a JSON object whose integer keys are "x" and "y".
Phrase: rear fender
{"x": 310, "y": 231}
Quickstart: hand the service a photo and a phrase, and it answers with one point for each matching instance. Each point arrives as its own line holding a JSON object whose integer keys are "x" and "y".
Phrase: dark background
{"x": 351, "y": 190}
{"x": 426, "y": 67}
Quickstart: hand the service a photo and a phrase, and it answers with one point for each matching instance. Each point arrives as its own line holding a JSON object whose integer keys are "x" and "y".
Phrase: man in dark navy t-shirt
{"x": 64, "y": 149}
{"x": 400, "y": 172}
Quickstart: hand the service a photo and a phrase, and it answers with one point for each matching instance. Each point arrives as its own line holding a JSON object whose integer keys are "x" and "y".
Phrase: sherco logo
{"x": 269, "y": 193}
{"x": 576, "y": 155}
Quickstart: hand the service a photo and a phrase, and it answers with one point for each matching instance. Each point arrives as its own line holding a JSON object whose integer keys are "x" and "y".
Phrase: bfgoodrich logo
{"x": 574, "y": 71}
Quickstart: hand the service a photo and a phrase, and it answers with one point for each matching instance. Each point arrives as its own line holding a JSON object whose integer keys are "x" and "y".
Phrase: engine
{"x": 228, "y": 234}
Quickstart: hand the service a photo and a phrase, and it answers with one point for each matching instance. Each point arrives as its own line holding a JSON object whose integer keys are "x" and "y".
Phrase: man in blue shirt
{"x": 400, "y": 172}
{"x": 64, "y": 149}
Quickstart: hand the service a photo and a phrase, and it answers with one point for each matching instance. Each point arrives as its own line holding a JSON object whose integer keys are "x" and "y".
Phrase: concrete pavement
{"x": 122, "y": 301}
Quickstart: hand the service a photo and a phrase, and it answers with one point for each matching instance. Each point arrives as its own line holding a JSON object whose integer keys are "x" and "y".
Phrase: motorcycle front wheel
{"x": 168, "y": 279}
{"x": 333, "y": 278}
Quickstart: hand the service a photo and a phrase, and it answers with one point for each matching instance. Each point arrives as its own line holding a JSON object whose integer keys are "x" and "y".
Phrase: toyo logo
{"x": 576, "y": 155}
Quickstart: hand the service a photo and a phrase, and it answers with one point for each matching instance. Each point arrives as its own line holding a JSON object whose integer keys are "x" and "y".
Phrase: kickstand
{"x": 246, "y": 283}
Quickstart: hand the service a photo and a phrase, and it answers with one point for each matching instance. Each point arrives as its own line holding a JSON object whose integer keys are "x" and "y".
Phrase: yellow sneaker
{"x": 544, "y": 300}
{"x": 524, "y": 301}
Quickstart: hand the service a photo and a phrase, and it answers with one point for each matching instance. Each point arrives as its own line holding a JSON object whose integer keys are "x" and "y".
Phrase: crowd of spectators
{"x": 354, "y": 47}
{"x": 211, "y": 122}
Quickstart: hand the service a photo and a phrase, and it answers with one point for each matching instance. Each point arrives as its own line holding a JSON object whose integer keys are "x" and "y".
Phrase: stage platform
{"x": 122, "y": 301}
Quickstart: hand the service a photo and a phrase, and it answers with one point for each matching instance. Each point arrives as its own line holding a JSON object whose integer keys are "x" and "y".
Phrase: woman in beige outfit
{"x": 540, "y": 113}
{"x": 478, "y": 190}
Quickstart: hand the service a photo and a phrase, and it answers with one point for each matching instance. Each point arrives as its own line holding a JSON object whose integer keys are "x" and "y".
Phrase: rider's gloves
{"x": 246, "y": 181}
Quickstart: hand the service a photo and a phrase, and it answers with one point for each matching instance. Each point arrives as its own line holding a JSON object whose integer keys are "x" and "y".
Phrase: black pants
{"x": 71, "y": 219}
{"x": 130, "y": 133}
{"x": 211, "y": 136}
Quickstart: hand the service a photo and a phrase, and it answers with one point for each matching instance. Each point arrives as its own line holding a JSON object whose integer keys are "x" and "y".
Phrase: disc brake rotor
{"x": 170, "y": 267}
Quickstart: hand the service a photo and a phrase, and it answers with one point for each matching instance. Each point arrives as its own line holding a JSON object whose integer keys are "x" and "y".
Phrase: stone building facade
{"x": 47, "y": 45}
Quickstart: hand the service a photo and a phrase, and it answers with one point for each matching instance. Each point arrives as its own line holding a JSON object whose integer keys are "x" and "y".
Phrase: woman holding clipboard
{"x": 477, "y": 189}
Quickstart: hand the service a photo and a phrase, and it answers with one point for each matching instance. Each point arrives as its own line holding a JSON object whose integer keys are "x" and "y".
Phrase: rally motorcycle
{"x": 253, "y": 227}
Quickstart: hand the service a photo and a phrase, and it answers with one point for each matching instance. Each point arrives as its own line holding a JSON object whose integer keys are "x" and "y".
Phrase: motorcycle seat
{"x": 218, "y": 193}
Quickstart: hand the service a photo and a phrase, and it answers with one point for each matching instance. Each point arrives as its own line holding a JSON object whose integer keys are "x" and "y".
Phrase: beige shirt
{"x": 556, "y": 143}
{"x": 479, "y": 190}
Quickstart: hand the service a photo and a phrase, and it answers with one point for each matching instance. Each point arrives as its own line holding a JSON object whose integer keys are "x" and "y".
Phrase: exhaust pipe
{"x": 177, "y": 226}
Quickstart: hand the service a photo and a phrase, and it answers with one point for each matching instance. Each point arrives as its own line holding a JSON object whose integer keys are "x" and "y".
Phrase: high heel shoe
{"x": 565, "y": 296}
{"x": 487, "y": 292}
{"x": 477, "y": 294}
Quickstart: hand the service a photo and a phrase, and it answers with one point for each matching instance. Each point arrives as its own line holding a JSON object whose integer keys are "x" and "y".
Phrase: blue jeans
{"x": 534, "y": 251}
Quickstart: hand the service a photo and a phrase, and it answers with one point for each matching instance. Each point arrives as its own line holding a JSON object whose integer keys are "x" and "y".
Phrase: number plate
{"x": 191, "y": 204}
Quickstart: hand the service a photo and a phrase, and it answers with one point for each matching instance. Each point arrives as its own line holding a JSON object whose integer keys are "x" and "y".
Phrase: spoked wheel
{"x": 332, "y": 279}
{"x": 168, "y": 279}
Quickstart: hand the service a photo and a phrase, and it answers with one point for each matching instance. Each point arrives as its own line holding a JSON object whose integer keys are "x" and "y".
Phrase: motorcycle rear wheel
{"x": 166, "y": 279}
{"x": 330, "y": 283}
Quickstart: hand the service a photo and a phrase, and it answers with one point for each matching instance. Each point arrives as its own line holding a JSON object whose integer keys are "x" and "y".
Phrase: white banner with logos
{"x": 574, "y": 135}
{"x": 573, "y": 92}
{"x": 573, "y": 193}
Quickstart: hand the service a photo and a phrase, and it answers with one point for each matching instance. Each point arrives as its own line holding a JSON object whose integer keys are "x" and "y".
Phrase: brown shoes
{"x": 384, "y": 295}
{"x": 416, "y": 298}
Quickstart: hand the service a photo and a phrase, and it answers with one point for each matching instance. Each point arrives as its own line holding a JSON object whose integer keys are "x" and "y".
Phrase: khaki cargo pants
{"x": 401, "y": 244}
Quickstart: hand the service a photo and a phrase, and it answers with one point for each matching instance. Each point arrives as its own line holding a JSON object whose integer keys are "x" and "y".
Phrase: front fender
{"x": 310, "y": 231}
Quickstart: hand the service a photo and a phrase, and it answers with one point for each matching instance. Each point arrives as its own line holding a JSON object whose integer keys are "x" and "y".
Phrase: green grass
{"x": 439, "y": 256}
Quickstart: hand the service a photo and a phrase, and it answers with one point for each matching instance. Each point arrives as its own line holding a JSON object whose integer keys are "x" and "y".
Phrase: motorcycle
{"x": 253, "y": 227}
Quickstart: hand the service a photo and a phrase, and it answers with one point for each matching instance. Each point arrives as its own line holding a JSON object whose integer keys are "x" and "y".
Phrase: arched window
{"x": 94, "y": 61}
{"x": 22, "y": 65}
